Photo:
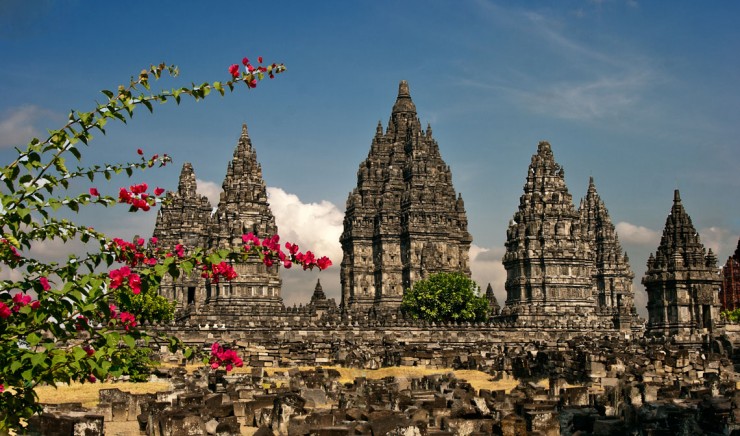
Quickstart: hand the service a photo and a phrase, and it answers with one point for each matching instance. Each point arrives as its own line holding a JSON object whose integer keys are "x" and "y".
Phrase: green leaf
{"x": 33, "y": 339}
{"x": 38, "y": 358}
{"x": 130, "y": 341}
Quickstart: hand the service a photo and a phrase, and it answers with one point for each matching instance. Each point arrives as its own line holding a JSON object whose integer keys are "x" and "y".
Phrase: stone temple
{"x": 242, "y": 208}
{"x": 729, "y": 295}
{"x": 403, "y": 220}
{"x": 682, "y": 281}
{"x": 567, "y": 273}
{"x": 563, "y": 262}
{"x": 569, "y": 316}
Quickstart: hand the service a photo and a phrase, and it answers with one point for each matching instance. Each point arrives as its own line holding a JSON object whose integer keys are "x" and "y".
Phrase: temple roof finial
{"x": 403, "y": 89}
{"x": 403, "y": 101}
{"x": 245, "y": 133}
{"x": 676, "y": 197}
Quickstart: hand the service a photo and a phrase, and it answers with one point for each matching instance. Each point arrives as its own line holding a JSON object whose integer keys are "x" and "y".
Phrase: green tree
{"x": 445, "y": 297}
{"x": 732, "y": 316}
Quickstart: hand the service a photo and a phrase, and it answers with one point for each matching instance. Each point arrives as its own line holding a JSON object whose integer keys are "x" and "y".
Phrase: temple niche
{"x": 682, "y": 282}
{"x": 564, "y": 264}
{"x": 404, "y": 220}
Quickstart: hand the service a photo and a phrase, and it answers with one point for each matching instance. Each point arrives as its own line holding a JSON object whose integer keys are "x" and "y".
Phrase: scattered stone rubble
{"x": 604, "y": 387}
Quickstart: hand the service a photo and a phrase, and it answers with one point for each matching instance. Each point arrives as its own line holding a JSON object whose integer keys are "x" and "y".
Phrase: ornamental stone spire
{"x": 404, "y": 220}
{"x": 682, "y": 281}
{"x": 184, "y": 219}
{"x": 729, "y": 296}
{"x": 613, "y": 276}
{"x": 549, "y": 265}
{"x": 243, "y": 208}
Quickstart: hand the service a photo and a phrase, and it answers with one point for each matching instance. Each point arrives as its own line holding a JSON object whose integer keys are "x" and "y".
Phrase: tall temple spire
{"x": 612, "y": 274}
{"x": 682, "y": 280}
{"x": 548, "y": 264}
{"x": 729, "y": 296}
{"x": 244, "y": 208}
{"x": 403, "y": 220}
{"x": 185, "y": 220}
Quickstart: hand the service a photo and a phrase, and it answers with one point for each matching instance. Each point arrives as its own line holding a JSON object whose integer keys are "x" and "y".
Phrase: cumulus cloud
{"x": 211, "y": 190}
{"x": 486, "y": 267}
{"x": 634, "y": 234}
{"x": 18, "y": 125}
{"x": 315, "y": 227}
{"x": 721, "y": 241}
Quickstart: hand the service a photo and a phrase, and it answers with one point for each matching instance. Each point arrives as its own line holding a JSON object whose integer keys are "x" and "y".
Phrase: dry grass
{"x": 477, "y": 379}
{"x": 87, "y": 393}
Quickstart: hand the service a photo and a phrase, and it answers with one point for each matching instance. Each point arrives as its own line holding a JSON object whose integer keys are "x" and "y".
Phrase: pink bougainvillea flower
{"x": 323, "y": 263}
{"x": 234, "y": 70}
{"x": 113, "y": 310}
{"x": 139, "y": 189}
{"x": 35, "y": 305}
{"x": 128, "y": 320}
{"x": 94, "y": 192}
{"x": 259, "y": 59}
{"x": 20, "y": 300}
{"x": 135, "y": 282}
{"x": 4, "y": 310}
{"x": 245, "y": 61}
{"x": 44, "y": 283}
{"x": 292, "y": 248}
{"x": 140, "y": 151}
{"x": 158, "y": 191}
{"x": 91, "y": 378}
{"x": 153, "y": 240}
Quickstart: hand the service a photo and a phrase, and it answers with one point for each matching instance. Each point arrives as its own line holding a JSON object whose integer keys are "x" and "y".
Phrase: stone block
{"x": 513, "y": 425}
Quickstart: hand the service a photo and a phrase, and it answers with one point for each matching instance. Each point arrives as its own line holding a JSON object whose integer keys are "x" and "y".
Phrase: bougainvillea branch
{"x": 81, "y": 319}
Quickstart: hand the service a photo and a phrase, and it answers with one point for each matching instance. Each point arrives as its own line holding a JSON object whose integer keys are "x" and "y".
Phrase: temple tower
{"x": 549, "y": 265}
{"x": 404, "y": 220}
{"x": 184, "y": 219}
{"x": 729, "y": 295}
{"x": 243, "y": 208}
{"x": 612, "y": 274}
{"x": 682, "y": 281}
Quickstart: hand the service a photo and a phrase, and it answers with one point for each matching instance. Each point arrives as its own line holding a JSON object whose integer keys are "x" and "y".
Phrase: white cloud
{"x": 585, "y": 100}
{"x": 639, "y": 235}
{"x": 721, "y": 241}
{"x": 486, "y": 267}
{"x": 315, "y": 227}
{"x": 211, "y": 190}
{"x": 17, "y": 126}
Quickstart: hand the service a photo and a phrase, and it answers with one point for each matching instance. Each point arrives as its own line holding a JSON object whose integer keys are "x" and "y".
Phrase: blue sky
{"x": 643, "y": 96}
